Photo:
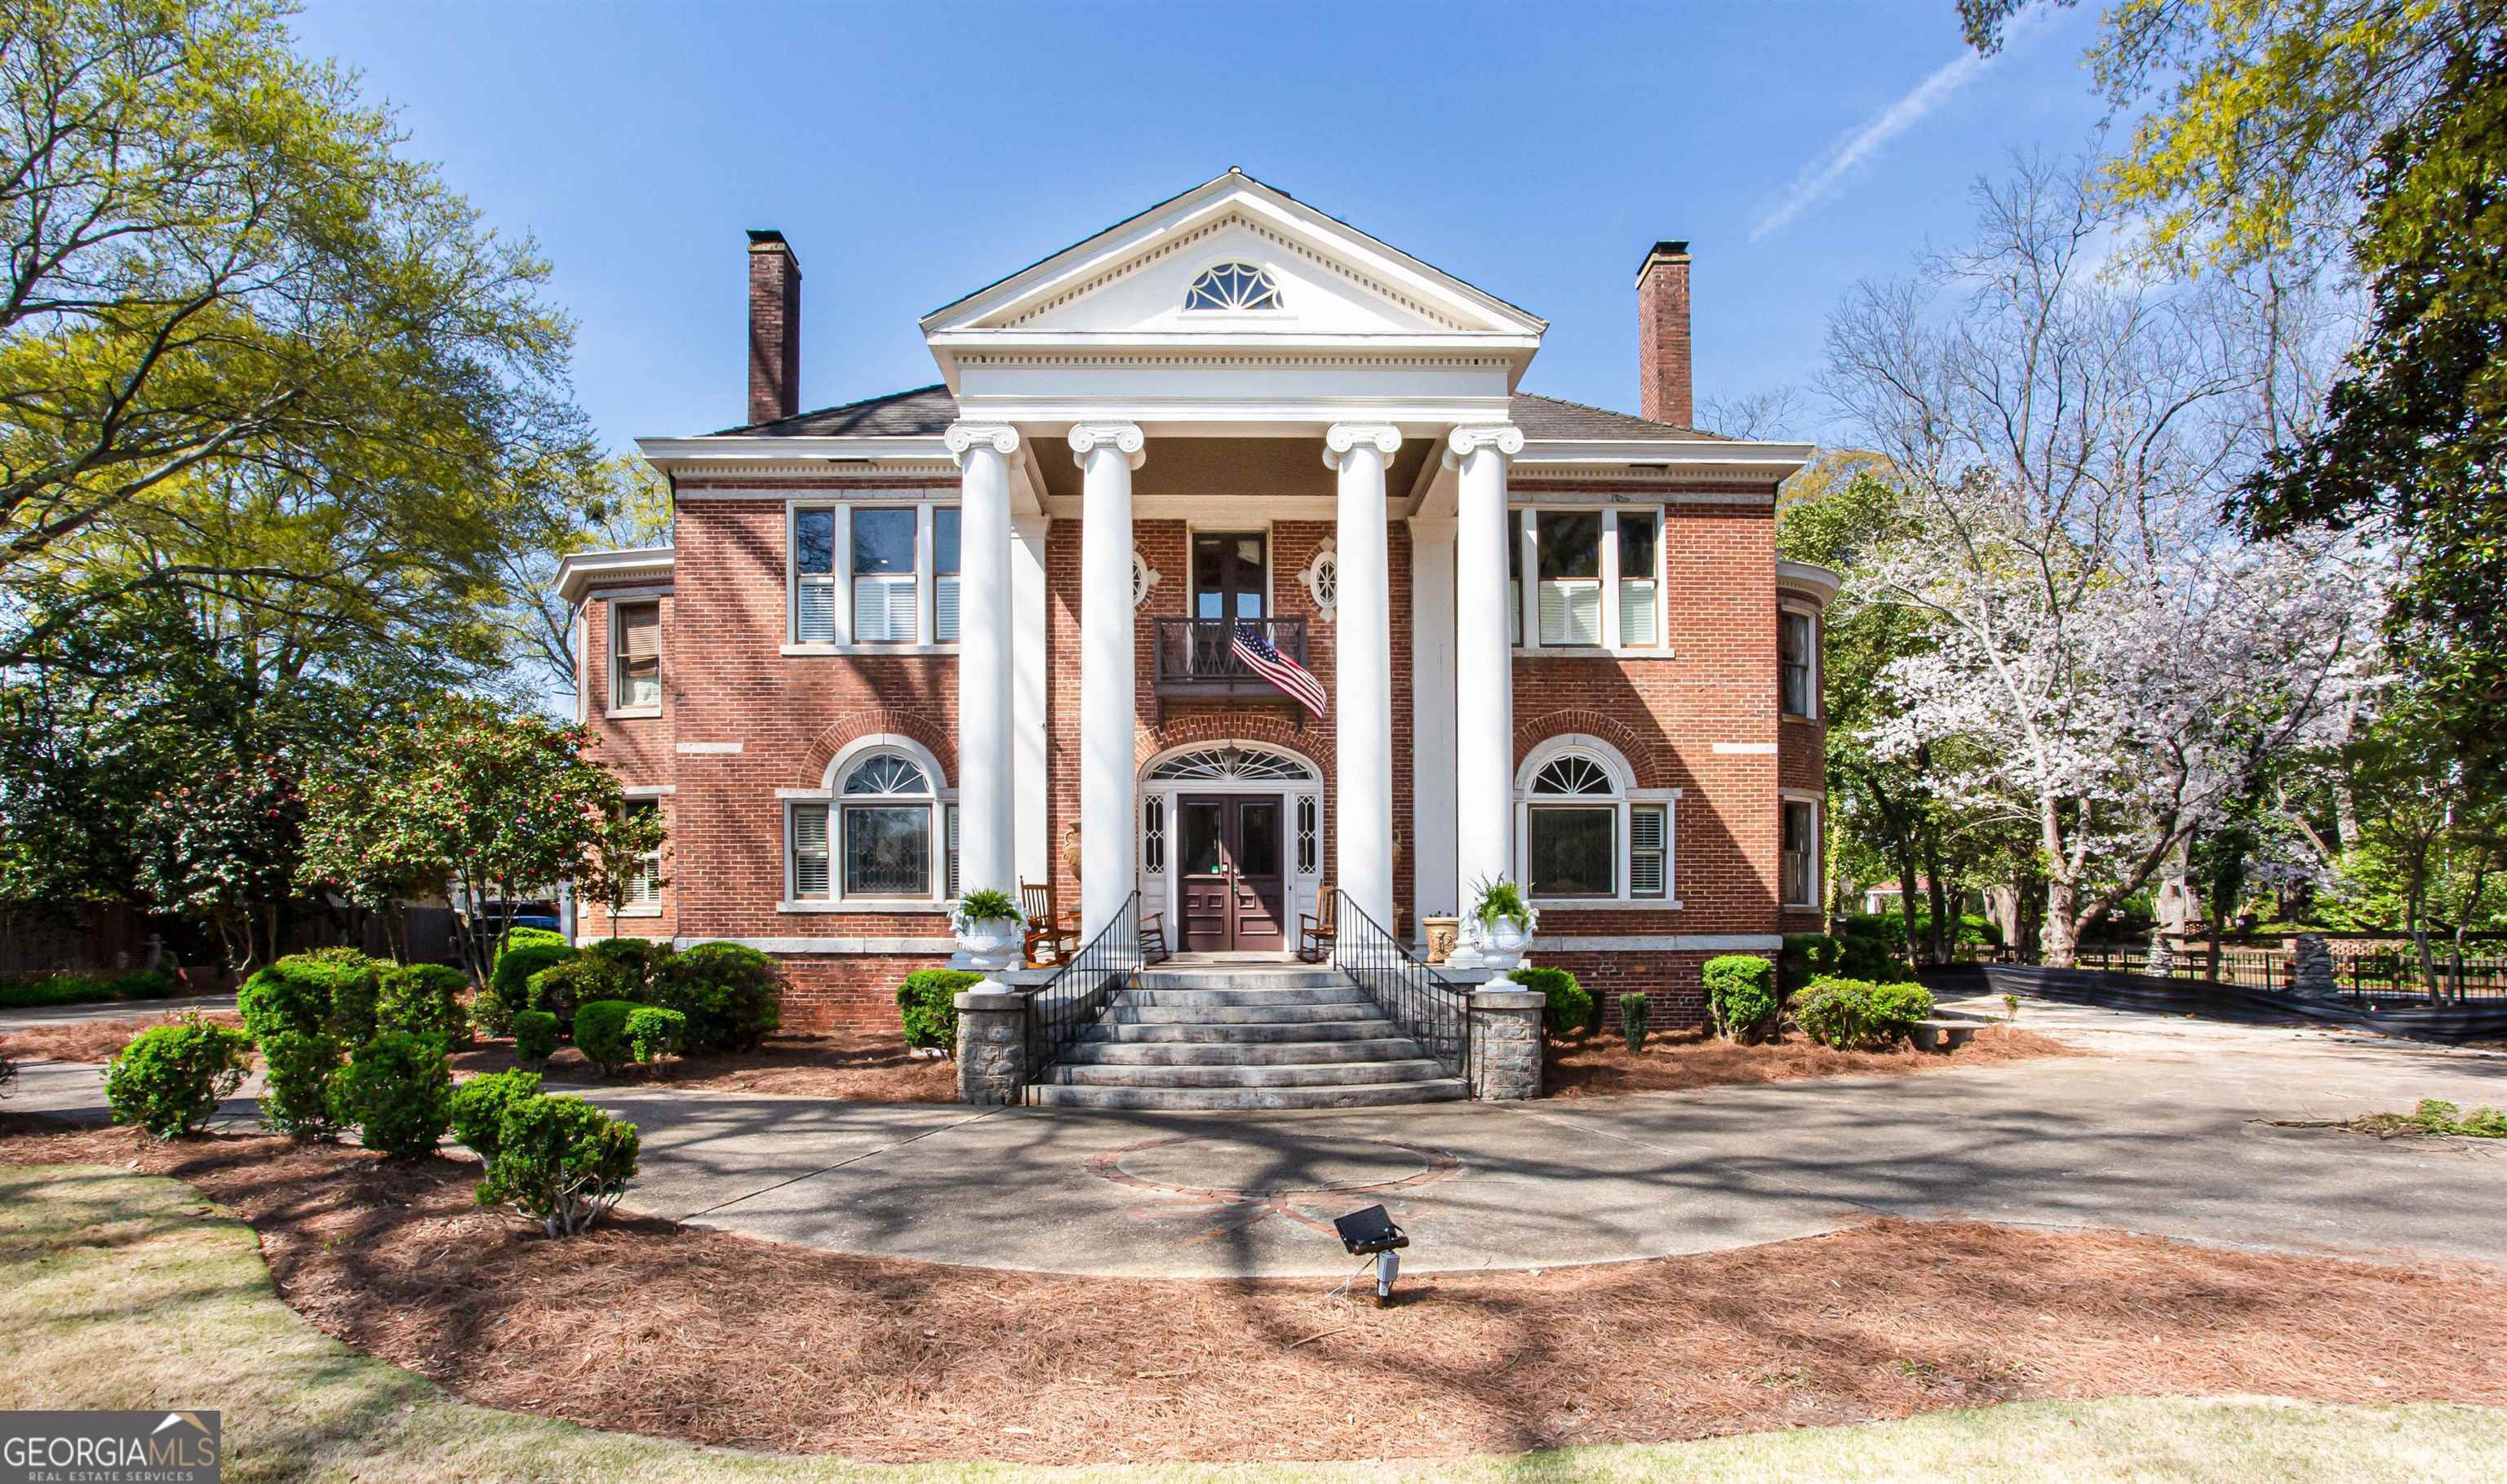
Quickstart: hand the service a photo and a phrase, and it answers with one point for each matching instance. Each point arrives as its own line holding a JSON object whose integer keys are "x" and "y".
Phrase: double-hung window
{"x": 885, "y": 607}
{"x": 1640, "y": 588}
{"x": 1597, "y": 578}
{"x": 1798, "y": 636}
{"x": 1515, "y": 576}
{"x": 1797, "y": 873}
{"x": 1589, "y": 835}
{"x": 944, "y": 575}
{"x": 646, "y": 890}
{"x": 886, "y": 835}
{"x": 636, "y": 669}
{"x": 814, "y": 576}
{"x": 1568, "y": 544}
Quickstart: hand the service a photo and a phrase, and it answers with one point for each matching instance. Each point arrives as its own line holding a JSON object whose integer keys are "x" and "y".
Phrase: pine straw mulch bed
{"x": 860, "y": 1066}
{"x": 1598, "y": 1064}
{"x": 97, "y": 1040}
{"x": 647, "y": 1327}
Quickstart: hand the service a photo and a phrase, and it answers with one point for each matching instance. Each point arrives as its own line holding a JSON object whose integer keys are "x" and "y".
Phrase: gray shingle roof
{"x": 926, "y": 412}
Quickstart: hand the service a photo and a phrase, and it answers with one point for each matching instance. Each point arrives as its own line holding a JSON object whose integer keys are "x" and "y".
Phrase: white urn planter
{"x": 1497, "y": 945}
{"x": 992, "y": 943}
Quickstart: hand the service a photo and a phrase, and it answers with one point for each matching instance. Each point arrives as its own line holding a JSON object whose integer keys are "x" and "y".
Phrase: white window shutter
{"x": 1645, "y": 854}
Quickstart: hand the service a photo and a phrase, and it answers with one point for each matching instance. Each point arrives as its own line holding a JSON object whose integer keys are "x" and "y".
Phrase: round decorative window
{"x": 1144, "y": 578}
{"x": 1239, "y": 286}
{"x": 1322, "y": 579}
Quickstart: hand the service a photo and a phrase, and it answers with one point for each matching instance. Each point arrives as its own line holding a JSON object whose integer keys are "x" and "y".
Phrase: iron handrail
{"x": 1202, "y": 650}
{"x": 1427, "y": 1007}
{"x": 1077, "y": 994}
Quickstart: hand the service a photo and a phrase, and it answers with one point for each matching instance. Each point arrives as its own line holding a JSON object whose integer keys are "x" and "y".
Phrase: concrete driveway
{"x": 2161, "y": 1130}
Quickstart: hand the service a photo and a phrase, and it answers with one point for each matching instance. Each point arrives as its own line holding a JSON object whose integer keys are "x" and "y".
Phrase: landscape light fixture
{"x": 1371, "y": 1233}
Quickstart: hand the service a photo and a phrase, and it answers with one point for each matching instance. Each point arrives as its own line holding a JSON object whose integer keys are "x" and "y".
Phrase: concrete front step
{"x": 1240, "y": 1033}
{"x": 1283, "y": 1074}
{"x": 1317, "y": 994}
{"x": 1127, "y": 1014}
{"x": 1237, "y": 1053}
{"x": 1283, "y": 978}
{"x": 1215, "y": 1099}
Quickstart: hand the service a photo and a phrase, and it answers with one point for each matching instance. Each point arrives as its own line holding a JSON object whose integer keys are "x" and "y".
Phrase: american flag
{"x": 1265, "y": 659}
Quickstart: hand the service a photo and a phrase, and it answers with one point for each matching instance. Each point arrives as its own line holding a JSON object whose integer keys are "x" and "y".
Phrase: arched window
{"x": 1226, "y": 764}
{"x": 1233, "y": 286}
{"x": 1586, "y": 834}
{"x": 886, "y": 834}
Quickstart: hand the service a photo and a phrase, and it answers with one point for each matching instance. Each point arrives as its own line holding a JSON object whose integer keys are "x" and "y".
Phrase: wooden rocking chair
{"x": 1054, "y": 930}
{"x": 1314, "y": 929}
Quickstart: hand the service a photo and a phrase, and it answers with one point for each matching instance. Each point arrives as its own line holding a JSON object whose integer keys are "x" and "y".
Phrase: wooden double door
{"x": 1234, "y": 890}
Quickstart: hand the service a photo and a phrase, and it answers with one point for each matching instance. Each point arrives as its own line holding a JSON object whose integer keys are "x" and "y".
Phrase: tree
{"x": 620, "y": 864}
{"x": 2433, "y": 831}
{"x": 223, "y": 281}
{"x": 2107, "y": 662}
{"x": 616, "y": 504}
{"x": 362, "y": 839}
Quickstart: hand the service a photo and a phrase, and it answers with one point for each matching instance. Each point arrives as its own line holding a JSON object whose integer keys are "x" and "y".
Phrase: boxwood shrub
{"x": 299, "y": 1092}
{"x": 479, "y": 1105}
{"x": 424, "y": 1000}
{"x": 927, "y": 1002}
{"x": 600, "y": 1033}
{"x": 297, "y": 992}
{"x": 534, "y": 1036}
{"x": 397, "y": 1089}
{"x": 636, "y": 961}
{"x": 564, "y": 988}
{"x": 173, "y": 1077}
{"x": 1856, "y": 1014}
{"x": 511, "y": 978}
{"x": 731, "y": 995}
{"x": 654, "y": 1032}
{"x": 1571, "y": 1005}
{"x": 1740, "y": 996}
{"x": 355, "y": 988}
{"x": 559, "y": 1161}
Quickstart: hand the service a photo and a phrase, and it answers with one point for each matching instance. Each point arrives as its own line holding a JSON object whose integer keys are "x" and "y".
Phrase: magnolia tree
{"x": 2107, "y": 664}
{"x": 497, "y": 803}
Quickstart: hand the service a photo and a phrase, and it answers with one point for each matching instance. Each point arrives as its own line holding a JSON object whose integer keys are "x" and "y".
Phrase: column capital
{"x": 962, "y": 436}
{"x": 1341, "y": 438}
{"x": 1125, "y": 438}
{"x": 1463, "y": 442}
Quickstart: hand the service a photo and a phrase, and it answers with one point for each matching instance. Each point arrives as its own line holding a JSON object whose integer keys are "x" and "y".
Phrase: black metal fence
{"x": 1430, "y": 1008}
{"x": 2384, "y": 971}
{"x": 1075, "y": 997}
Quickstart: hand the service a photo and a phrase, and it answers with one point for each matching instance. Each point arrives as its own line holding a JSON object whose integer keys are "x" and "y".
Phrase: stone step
{"x": 1217, "y": 1099}
{"x": 1279, "y": 1074}
{"x": 1230, "y": 994}
{"x": 1128, "y": 1014}
{"x": 1241, "y": 1033}
{"x": 1281, "y": 978}
{"x": 1237, "y": 1053}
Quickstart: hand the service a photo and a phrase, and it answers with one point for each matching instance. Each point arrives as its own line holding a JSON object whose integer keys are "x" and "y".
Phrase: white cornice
{"x": 1809, "y": 577}
{"x": 1774, "y": 461}
{"x": 731, "y": 447}
{"x": 577, "y": 575}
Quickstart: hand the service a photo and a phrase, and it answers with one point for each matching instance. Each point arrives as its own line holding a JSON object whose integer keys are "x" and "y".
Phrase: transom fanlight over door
{"x": 1233, "y": 286}
{"x": 1222, "y": 764}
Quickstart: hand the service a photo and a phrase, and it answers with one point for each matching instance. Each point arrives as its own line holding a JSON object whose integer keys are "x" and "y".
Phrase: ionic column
{"x": 1107, "y": 453}
{"x": 1362, "y": 662}
{"x": 987, "y": 789}
{"x": 1483, "y": 659}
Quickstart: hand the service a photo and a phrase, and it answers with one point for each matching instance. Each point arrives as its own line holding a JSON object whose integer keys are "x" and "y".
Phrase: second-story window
{"x": 1640, "y": 600}
{"x": 1797, "y": 636}
{"x": 635, "y": 667}
{"x": 944, "y": 575}
{"x": 814, "y": 576}
{"x": 883, "y": 574}
{"x": 1515, "y": 576}
{"x": 1570, "y": 545}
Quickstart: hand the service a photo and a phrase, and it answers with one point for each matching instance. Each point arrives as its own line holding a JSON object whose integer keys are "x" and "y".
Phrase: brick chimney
{"x": 1662, "y": 336}
{"x": 773, "y": 328}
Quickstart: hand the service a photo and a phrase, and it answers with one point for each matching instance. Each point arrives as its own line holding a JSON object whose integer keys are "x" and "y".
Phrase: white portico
{"x": 1220, "y": 328}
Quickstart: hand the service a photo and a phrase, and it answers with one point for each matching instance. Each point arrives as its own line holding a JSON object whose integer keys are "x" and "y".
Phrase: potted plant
{"x": 1501, "y": 922}
{"x": 989, "y": 929}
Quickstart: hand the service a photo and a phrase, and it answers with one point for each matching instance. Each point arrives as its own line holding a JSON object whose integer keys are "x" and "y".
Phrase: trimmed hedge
{"x": 1633, "y": 1016}
{"x": 534, "y": 1036}
{"x": 173, "y": 1077}
{"x": 511, "y": 979}
{"x": 634, "y": 961}
{"x": 298, "y": 1096}
{"x": 295, "y": 994}
{"x": 1856, "y": 1014}
{"x": 397, "y": 1089}
{"x": 731, "y": 995}
{"x": 564, "y": 988}
{"x": 600, "y": 1033}
{"x": 89, "y": 989}
{"x": 356, "y": 985}
{"x": 559, "y": 1161}
{"x": 654, "y": 1033}
{"x": 479, "y": 1105}
{"x": 424, "y": 1000}
{"x": 927, "y": 1003}
{"x": 1571, "y": 1004}
{"x": 1741, "y": 1003}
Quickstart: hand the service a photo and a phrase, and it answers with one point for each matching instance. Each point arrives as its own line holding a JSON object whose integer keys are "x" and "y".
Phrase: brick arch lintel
{"x": 1531, "y": 732}
{"x": 931, "y": 731}
{"x": 1147, "y": 742}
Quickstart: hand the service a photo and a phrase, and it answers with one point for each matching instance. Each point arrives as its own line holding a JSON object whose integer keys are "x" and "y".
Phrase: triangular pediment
{"x": 1136, "y": 278}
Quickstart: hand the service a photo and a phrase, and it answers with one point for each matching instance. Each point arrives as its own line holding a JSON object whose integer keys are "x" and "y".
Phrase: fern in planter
{"x": 990, "y": 905}
{"x": 1632, "y": 1020}
{"x": 1496, "y": 900}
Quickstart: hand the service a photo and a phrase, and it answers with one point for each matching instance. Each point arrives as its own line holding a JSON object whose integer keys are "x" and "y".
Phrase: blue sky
{"x": 912, "y": 152}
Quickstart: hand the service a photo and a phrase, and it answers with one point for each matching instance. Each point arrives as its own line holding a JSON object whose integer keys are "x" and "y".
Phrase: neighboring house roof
{"x": 926, "y": 412}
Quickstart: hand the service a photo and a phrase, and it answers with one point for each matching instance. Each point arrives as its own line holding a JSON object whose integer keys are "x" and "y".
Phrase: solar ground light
{"x": 1371, "y": 1233}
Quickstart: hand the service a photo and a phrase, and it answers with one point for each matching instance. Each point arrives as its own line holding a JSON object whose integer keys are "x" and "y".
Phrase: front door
{"x": 1232, "y": 881}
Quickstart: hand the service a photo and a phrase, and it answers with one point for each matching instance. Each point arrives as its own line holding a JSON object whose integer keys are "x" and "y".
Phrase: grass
{"x": 131, "y": 1291}
{"x": 2437, "y": 1118}
{"x": 87, "y": 989}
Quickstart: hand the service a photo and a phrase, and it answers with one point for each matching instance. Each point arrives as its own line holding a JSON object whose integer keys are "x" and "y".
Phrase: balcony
{"x": 1196, "y": 657}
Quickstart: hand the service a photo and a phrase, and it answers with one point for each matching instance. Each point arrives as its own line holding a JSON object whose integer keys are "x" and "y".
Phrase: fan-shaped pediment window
{"x": 1238, "y": 286}
{"x": 1229, "y": 764}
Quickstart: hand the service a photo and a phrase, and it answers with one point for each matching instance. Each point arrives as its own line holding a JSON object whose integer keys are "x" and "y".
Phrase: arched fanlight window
{"x": 1233, "y": 286}
{"x": 1584, "y": 837}
{"x": 1572, "y": 773}
{"x": 1218, "y": 764}
{"x": 885, "y": 773}
{"x": 886, "y": 835}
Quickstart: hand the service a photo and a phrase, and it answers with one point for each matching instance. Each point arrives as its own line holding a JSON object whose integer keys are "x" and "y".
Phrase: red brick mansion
{"x": 986, "y": 631}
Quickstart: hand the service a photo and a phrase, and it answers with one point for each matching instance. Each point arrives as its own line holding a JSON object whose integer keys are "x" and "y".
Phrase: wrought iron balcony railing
{"x": 1196, "y": 656}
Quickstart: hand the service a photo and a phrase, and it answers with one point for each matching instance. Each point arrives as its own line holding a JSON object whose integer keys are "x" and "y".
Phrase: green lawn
{"x": 126, "y": 1291}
